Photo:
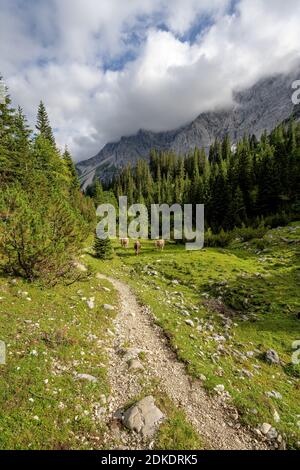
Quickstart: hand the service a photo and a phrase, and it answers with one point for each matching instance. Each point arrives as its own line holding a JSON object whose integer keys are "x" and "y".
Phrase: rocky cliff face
{"x": 257, "y": 109}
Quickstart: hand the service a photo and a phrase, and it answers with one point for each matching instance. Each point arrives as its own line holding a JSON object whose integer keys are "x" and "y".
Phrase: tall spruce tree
{"x": 43, "y": 124}
{"x": 103, "y": 248}
{"x": 74, "y": 181}
{"x": 7, "y": 144}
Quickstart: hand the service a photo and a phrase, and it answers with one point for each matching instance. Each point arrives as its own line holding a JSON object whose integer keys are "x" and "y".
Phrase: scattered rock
{"x": 276, "y": 416}
{"x": 91, "y": 303}
{"x": 185, "y": 313}
{"x": 89, "y": 378}
{"x": 108, "y": 307}
{"x": 81, "y": 267}
{"x": 144, "y": 417}
{"x": 190, "y": 323}
{"x": 135, "y": 365}
{"x": 131, "y": 353}
{"x": 271, "y": 357}
{"x": 265, "y": 428}
{"x": 247, "y": 373}
{"x": 106, "y": 289}
{"x": 274, "y": 394}
{"x": 219, "y": 388}
{"x": 219, "y": 338}
{"x": 272, "y": 434}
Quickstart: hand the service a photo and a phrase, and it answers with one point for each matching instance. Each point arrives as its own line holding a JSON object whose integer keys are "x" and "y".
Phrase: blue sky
{"x": 106, "y": 68}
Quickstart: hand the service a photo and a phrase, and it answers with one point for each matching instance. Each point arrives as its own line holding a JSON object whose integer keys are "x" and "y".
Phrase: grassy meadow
{"x": 242, "y": 301}
{"x": 220, "y": 308}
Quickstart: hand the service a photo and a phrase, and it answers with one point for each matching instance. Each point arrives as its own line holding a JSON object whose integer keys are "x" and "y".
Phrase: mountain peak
{"x": 256, "y": 109}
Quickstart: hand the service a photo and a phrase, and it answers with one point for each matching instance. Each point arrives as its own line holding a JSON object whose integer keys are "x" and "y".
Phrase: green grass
{"x": 259, "y": 288}
{"x": 50, "y": 338}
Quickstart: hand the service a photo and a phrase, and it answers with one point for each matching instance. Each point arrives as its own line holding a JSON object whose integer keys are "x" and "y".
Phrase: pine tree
{"x": 72, "y": 173}
{"x": 226, "y": 148}
{"x": 7, "y": 146}
{"x": 43, "y": 124}
{"x": 24, "y": 162}
{"x": 98, "y": 193}
{"x": 103, "y": 248}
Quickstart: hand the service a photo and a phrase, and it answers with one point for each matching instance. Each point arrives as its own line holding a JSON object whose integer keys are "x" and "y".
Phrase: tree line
{"x": 241, "y": 184}
{"x": 44, "y": 217}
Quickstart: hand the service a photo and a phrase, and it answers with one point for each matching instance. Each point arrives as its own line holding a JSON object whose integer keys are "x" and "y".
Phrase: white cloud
{"x": 58, "y": 51}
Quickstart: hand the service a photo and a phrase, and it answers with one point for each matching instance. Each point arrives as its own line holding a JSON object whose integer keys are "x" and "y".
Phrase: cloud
{"x": 106, "y": 68}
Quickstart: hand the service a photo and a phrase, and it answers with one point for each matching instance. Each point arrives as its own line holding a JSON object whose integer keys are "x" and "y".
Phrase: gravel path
{"x": 213, "y": 418}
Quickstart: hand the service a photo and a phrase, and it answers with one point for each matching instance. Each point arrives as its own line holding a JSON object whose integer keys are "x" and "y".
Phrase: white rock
{"x": 272, "y": 434}
{"x": 274, "y": 394}
{"x": 271, "y": 357}
{"x": 131, "y": 353}
{"x": 265, "y": 428}
{"x": 219, "y": 338}
{"x": 91, "y": 303}
{"x": 89, "y": 378}
{"x": 276, "y": 416}
{"x": 108, "y": 307}
{"x": 190, "y": 323}
{"x": 219, "y": 388}
{"x": 81, "y": 267}
{"x": 144, "y": 417}
{"x": 135, "y": 365}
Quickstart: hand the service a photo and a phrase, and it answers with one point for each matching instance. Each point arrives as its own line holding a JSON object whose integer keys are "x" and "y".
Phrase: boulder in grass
{"x": 271, "y": 357}
{"x": 144, "y": 418}
{"x": 87, "y": 377}
{"x": 108, "y": 307}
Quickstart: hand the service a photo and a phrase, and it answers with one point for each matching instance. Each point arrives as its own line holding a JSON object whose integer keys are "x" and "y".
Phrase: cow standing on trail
{"x": 124, "y": 242}
{"x": 160, "y": 244}
{"x": 137, "y": 248}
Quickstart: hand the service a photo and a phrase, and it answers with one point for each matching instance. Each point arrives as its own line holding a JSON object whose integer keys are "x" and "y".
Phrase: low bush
{"x": 249, "y": 233}
{"x": 40, "y": 234}
{"x": 221, "y": 239}
{"x": 278, "y": 220}
{"x": 260, "y": 243}
{"x": 103, "y": 248}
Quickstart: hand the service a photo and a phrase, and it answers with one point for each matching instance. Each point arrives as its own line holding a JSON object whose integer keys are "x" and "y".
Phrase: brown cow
{"x": 137, "y": 247}
{"x": 160, "y": 244}
{"x": 124, "y": 242}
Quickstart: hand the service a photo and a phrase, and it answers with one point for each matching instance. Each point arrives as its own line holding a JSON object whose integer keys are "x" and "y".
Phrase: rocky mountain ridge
{"x": 259, "y": 108}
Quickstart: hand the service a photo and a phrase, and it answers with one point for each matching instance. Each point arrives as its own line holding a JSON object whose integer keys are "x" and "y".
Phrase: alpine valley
{"x": 257, "y": 109}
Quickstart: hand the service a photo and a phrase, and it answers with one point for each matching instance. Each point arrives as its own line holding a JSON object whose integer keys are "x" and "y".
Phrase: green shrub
{"x": 40, "y": 233}
{"x": 221, "y": 239}
{"x": 103, "y": 248}
{"x": 278, "y": 220}
{"x": 293, "y": 370}
{"x": 260, "y": 243}
{"x": 249, "y": 233}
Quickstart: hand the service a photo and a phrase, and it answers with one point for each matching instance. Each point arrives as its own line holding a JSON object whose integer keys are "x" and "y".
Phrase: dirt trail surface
{"x": 213, "y": 418}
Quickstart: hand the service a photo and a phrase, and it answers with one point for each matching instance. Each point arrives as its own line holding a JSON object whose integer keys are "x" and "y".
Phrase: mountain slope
{"x": 256, "y": 109}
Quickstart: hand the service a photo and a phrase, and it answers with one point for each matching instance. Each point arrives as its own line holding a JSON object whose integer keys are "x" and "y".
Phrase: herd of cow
{"x": 159, "y": 245}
